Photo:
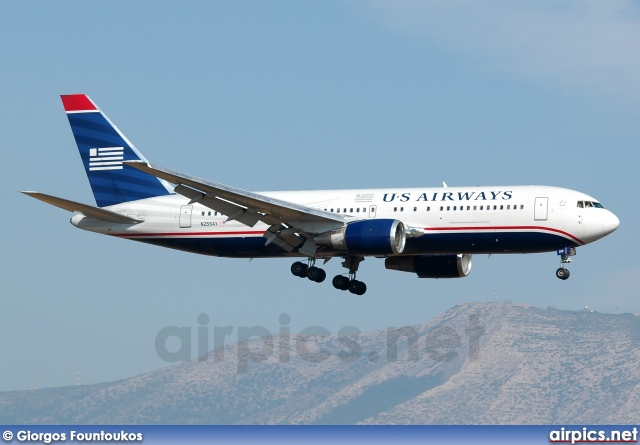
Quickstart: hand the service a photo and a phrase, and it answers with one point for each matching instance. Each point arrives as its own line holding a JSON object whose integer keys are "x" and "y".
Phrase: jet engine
{"x": 367, "y": 237}
{"x": 432, "y": 266}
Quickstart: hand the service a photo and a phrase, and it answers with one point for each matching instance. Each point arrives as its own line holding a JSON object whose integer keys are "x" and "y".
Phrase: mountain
{"x": 477, "y": 363}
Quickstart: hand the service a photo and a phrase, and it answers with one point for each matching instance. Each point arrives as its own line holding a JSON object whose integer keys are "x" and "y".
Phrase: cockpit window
{"x": 584, "y": 204}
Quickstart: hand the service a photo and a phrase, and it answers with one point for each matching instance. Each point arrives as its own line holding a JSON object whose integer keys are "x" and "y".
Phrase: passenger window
{"x": 521, "y": 206}
{"x": 337, "y": 210}
{"x": 454, "y": 207}
{"x": 508, "y": 207}
{"x": 475, "y": 207}
{"x": 481, "y": 207}
{"x": 332, "y": 210}
{"x": 448, "y": 208}
{"x": 350, "y": 210}
{"x": 441, "y": 208}
{"x": 415, "y": 209}
{"x": 395, "y": 209}
{"x": 428, "y": 209}
{"x": 402, "y": 209}
{"x": 468, "y": 207}
{"x": 358, "y": 210}
{"x": 501, "y": 207}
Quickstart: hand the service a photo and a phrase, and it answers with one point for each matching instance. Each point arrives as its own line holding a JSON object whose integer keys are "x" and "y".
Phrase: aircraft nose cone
{"x": 610, "y": 223}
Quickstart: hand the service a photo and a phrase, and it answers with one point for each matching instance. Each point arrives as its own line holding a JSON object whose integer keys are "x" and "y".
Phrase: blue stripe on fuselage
{"x": 436, "y": 243}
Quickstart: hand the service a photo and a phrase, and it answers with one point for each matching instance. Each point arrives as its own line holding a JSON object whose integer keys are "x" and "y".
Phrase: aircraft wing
{"x": 244, "y": 206}
{"x": 86, "y": 210}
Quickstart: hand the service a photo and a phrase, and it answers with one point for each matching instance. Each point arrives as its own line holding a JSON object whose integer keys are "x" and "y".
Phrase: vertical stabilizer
{"x": 103, "y": 148}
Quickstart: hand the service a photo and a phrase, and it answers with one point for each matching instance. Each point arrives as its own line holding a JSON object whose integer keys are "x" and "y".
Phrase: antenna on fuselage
{"x": 444, "y": 184}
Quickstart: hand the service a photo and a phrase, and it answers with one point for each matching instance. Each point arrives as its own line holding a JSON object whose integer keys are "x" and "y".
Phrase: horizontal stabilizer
{"x": 86, "y": 210}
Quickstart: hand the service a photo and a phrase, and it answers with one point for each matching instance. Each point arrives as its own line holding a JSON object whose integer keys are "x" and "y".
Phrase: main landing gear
{"x": 341, "y": 282}
{"x": 310, "y": 271}
{"x": 350, "y": 283}
{"x": 565, "y": 258}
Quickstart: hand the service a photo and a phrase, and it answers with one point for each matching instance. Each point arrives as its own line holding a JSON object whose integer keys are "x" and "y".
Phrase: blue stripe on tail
{"x": 102, "y": 149}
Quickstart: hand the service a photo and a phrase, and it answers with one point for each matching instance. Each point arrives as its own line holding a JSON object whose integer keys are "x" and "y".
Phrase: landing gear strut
{"x": 343, "y": 283}
{"x": 310, "y": 271}
{"x": 565, "y": 258}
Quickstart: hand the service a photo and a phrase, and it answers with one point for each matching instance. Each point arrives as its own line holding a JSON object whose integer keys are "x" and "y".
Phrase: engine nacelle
{"x": 432, "y": 266}
{"x": 368, "y": 237}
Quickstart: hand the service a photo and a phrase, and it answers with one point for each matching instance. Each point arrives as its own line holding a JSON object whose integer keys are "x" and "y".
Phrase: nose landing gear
{"x": 565, "y": 258}
{"x": 562, "y": 273}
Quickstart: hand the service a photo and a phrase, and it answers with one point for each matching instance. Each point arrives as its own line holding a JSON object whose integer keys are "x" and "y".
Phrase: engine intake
{"x": 432, "y": 266}
{"x": 368, "y": 237}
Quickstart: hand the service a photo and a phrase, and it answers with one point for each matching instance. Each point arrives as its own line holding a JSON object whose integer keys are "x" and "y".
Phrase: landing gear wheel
{"x": 316, "y": 274}
{"x": 299, "y": 269}
{"x": 340, "y": 282}
{"x": 562, "y": 273}
{"x": 357, "y": 287}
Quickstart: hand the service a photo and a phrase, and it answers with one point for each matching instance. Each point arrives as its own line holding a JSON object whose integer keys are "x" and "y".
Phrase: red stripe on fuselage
{"x": 430, "y": 229}
{"x": 498, "y": 228}
{"x": 137, "y": 235}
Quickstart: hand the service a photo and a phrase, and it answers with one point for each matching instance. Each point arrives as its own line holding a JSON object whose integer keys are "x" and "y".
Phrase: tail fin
{"x": 103, "y": 148}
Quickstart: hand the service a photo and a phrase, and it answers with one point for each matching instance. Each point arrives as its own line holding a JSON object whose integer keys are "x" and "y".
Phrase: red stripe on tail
{"x": 77, "y": 102}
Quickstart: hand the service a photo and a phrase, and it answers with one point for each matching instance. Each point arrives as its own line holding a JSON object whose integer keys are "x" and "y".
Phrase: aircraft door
{"x": 185, "y": 216}
{"x": 372, "y": 211}
{"x": 541, "y": 208}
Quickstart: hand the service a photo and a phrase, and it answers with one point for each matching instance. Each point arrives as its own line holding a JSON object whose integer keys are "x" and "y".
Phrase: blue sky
{"x": 302, "y": 95}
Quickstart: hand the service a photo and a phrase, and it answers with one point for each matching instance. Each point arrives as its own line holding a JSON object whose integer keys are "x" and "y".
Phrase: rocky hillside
{"x": 476, "y": 363}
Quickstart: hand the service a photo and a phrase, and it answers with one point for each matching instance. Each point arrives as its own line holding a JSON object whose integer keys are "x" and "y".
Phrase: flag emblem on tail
{"x": 107, "y": 158}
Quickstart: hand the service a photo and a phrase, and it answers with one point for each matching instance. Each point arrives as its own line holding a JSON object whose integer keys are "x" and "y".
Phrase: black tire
{"x": 562, "y": 273}
{"x": 340, "y": 282}
{"x": 316, "y": 274}
{"x": 357, "y": 287}
{"x": 299, "y": 269}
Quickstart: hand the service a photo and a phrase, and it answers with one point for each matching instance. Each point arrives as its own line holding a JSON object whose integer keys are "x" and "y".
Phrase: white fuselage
{"x": 513, "y": 219}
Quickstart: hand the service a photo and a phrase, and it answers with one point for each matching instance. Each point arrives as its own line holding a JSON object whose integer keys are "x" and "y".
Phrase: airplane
{"x": 432, "y": 232}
